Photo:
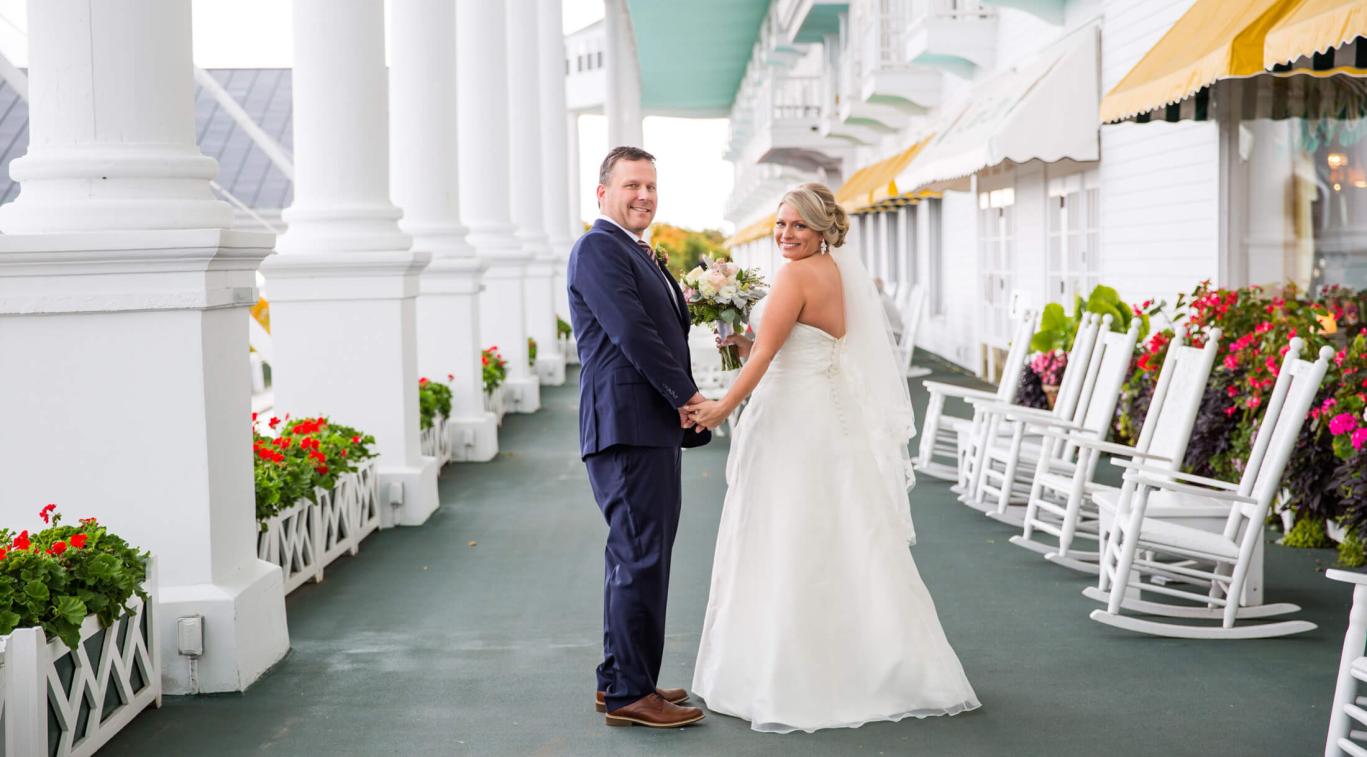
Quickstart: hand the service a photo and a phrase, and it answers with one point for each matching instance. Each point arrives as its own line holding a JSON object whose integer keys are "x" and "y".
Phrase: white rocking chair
{"x": 997, "y": 446}
{"x": 1348, "y": 706}
{"x": 912, "y": 312}
{"x": 939, "y": 452}
{"x": 1060, "y": 503}
{"x": 1106, "y": 372}
{"x": 1221, "y": 562}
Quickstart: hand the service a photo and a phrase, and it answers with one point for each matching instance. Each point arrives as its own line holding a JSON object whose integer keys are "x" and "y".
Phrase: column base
{"x": 419, "y": 492}
{"x": 524, "y": 394}
{"x": 474, "y": 439}
{"x": 244, "y": 631}
{"x": 550, "y": 369}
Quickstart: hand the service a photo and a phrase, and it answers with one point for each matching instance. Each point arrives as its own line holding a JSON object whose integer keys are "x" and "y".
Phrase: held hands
{"x": 708, "y": 413}
{"x": 686, "y": 413}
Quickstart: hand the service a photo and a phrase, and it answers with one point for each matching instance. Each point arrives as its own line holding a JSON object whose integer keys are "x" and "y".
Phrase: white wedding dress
{"x": 817, "y": 616}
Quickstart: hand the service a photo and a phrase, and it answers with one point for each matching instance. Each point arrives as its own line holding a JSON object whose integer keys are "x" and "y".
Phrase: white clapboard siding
{"x": 1160, "y": 182}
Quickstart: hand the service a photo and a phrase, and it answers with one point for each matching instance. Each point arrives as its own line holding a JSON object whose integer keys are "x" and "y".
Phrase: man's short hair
{"x": 620, "y": 153}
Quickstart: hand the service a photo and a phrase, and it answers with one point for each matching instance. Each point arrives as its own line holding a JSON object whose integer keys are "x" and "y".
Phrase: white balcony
{"x": 585, "y": 71}
{"x": 809, "y": 21}
{"x": 886, "y": 76}
{"x": 956, "y": 35}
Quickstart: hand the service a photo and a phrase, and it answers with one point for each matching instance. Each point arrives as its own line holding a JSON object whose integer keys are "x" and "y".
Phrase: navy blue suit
{"x": 632, "y": 332}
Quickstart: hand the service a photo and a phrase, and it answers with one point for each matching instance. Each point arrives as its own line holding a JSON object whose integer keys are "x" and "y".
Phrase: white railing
{"x": 882, "y": 35}
{"x": 436, "y": 440}
{"x": 496, "y": 402}
{"x": 87, "y": 694}
{"x": 305, "y": 538}
{"x": 795, "y": 97}
{"x": 949, "y": 9}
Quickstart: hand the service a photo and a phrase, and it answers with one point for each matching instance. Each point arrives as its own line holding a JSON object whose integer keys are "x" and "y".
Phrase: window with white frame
{"x": 997, "y": 248}
{"x": 1074, "y": 211}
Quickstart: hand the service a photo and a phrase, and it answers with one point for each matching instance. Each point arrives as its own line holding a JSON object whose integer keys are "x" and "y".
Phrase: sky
{"x": 694, "y": 179}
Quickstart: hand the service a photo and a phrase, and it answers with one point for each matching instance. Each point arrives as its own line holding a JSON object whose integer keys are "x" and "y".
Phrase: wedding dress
{"x": 817, "y": 617}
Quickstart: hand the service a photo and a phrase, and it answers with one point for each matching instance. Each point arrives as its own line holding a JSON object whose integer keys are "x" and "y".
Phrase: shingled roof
{"x": 243, "y": 168}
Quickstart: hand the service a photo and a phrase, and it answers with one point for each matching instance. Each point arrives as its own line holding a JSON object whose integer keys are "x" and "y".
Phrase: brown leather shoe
{"x": 673, "y": 696}
{"x": 653, "y": 711}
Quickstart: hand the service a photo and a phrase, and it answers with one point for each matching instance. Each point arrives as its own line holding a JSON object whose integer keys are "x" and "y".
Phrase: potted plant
{"x": 73, "y": 598}
{"x": 315, "y": 494}
{"x": 434, "y": 408}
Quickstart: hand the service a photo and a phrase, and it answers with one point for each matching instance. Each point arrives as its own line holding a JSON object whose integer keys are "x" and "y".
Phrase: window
{"x": 997, "y": 247}
{"x": 581, "y": 63}
{"x": 1074, "y": 237}
{"x": 600, "y": 60}
{"x": 1299, "y": 197}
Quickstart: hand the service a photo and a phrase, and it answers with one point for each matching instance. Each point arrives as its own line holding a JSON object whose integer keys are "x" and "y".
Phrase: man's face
{"x": 629, "y": 196}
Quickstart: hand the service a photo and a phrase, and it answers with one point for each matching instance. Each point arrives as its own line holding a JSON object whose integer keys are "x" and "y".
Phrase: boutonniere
{"x": 661, "y": 257}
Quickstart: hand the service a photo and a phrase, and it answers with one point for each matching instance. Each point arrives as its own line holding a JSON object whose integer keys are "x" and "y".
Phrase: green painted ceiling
{"x": 693, "y": 53}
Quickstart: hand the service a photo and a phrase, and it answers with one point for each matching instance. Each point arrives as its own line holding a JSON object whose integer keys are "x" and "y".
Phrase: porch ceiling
{"x": 693, "y": 54}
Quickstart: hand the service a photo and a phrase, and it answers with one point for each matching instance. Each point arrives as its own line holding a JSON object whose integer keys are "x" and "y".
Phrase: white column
{"x": 529, "y": 173}
{"x": 342, "y": 290}
{"x": 576, "y": 229}
{"x": 123, "y": 299}
{"x": 555, "y": 149}
{"x": 623, "y": 96}
{"x": 423, "y": 125}
{"x": 485, "y": 189}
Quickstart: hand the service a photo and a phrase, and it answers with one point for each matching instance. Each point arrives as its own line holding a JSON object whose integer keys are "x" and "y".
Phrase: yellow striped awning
{"x": 1317, "y": 26}
{"x": 876, "y": 183}
{"x": 1214, "y": 40}
{"x": 757, "y": 230}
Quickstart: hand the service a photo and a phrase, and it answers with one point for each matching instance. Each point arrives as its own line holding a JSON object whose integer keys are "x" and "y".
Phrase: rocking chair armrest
{"x": 1018, "y": 414}
{"x": 1346, "y": 576}
{"x": 1167, "y": 484}
{"x": 1110, "y": 447}
{"x": 1153, "y": 471}
{"x": 954, "y": 390}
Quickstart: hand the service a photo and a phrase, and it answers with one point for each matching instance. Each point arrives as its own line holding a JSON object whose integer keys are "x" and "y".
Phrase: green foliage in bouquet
{"x": 307, "y": 454}
{"x": 434, "y": 398}
{"x": 494, "y": 368}
{"x": 56, "y": 577}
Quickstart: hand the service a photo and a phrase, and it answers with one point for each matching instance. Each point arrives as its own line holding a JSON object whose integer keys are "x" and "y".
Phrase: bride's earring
{"x": 824, "y": 247}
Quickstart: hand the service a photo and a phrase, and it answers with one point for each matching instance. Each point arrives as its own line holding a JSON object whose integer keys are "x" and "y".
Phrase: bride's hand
{"x": 709, "y": 414}
{"x": 742, "y": 343}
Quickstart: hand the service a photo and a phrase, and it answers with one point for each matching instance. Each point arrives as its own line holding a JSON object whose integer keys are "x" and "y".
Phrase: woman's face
{"x": 795, "y": 239}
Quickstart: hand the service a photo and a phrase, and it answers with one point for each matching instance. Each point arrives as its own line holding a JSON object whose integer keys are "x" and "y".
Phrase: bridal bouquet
{"x": 721, "y": 293}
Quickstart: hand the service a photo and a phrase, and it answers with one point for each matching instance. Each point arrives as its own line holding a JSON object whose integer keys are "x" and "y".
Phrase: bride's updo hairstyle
{"x": 817, "y": 206}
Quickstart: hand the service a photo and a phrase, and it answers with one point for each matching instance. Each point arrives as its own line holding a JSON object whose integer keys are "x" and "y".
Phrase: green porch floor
{"x": 423, "y": 645}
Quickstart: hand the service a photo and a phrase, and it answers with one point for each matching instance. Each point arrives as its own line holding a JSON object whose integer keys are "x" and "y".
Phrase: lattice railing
{"x": 436, "y": 440}
{"x": 496, "y": 402}
{"x": 306, "y": 538}
{"x": 68, "y": 703}
{"x": 291, "y": 541}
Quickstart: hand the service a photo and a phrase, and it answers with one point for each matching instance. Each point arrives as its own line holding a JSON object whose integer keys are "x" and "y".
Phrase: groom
{"x": 635, "y": 388}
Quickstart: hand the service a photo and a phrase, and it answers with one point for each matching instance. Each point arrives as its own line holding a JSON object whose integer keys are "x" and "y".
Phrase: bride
{"x": 817, "y": 616}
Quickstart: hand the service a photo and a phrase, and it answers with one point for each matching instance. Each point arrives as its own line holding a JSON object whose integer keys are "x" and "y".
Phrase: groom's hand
{"x": 686, "y": 412}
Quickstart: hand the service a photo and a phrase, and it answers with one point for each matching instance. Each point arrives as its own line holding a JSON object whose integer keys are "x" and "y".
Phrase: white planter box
{"x": 496, "y": 402}
{"x": 436, "y": 441}
{"x": 87, "y": 695}
{"x": 305, "y": 538}
{"x": 1336, "y": 532}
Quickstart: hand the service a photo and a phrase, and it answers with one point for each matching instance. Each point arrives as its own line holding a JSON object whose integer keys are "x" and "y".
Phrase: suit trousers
{"x": 639, "y": 492}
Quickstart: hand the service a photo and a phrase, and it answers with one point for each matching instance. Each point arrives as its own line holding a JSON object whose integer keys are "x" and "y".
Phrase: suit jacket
{"x": 632, "y": 332}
